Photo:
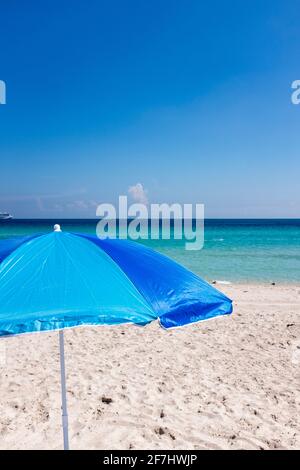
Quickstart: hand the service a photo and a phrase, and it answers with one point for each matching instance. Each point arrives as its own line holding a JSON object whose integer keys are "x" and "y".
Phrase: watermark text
{"x": 152, "y": 221}
{"x": 296, "y": 93}
{"x": 2, "y": 92}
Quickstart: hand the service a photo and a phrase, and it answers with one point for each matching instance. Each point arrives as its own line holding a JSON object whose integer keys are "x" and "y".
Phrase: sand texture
{"x": 228, "y": 383}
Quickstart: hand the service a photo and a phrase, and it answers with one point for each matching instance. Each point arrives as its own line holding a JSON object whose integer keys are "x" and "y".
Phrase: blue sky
{"x": 191, "y": 99}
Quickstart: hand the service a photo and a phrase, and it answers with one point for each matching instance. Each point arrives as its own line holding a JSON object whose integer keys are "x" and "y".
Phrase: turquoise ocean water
{"x": 234, "y": 250}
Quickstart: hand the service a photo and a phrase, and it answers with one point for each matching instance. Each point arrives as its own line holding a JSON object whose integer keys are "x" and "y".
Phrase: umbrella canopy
{"x": 61, "y": 280}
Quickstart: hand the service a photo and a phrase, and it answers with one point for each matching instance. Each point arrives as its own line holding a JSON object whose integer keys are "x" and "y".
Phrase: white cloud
{"x": 138, "y": 193}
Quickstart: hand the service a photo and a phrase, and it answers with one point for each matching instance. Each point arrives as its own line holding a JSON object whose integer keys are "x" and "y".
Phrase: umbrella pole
{"x": 64, "y": 415}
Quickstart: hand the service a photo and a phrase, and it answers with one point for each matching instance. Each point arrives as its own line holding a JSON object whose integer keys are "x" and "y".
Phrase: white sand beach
{"x": 229, "y": 383}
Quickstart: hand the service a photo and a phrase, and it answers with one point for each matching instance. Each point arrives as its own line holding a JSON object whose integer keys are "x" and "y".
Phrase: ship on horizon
{"x": 5, "y": 216}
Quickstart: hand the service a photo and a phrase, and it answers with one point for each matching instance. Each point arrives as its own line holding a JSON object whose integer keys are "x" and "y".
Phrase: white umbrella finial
{"x": 57, "y": 228}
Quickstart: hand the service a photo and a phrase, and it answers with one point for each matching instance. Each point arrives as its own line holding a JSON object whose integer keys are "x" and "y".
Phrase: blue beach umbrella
{"x": 62, "y": 280}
